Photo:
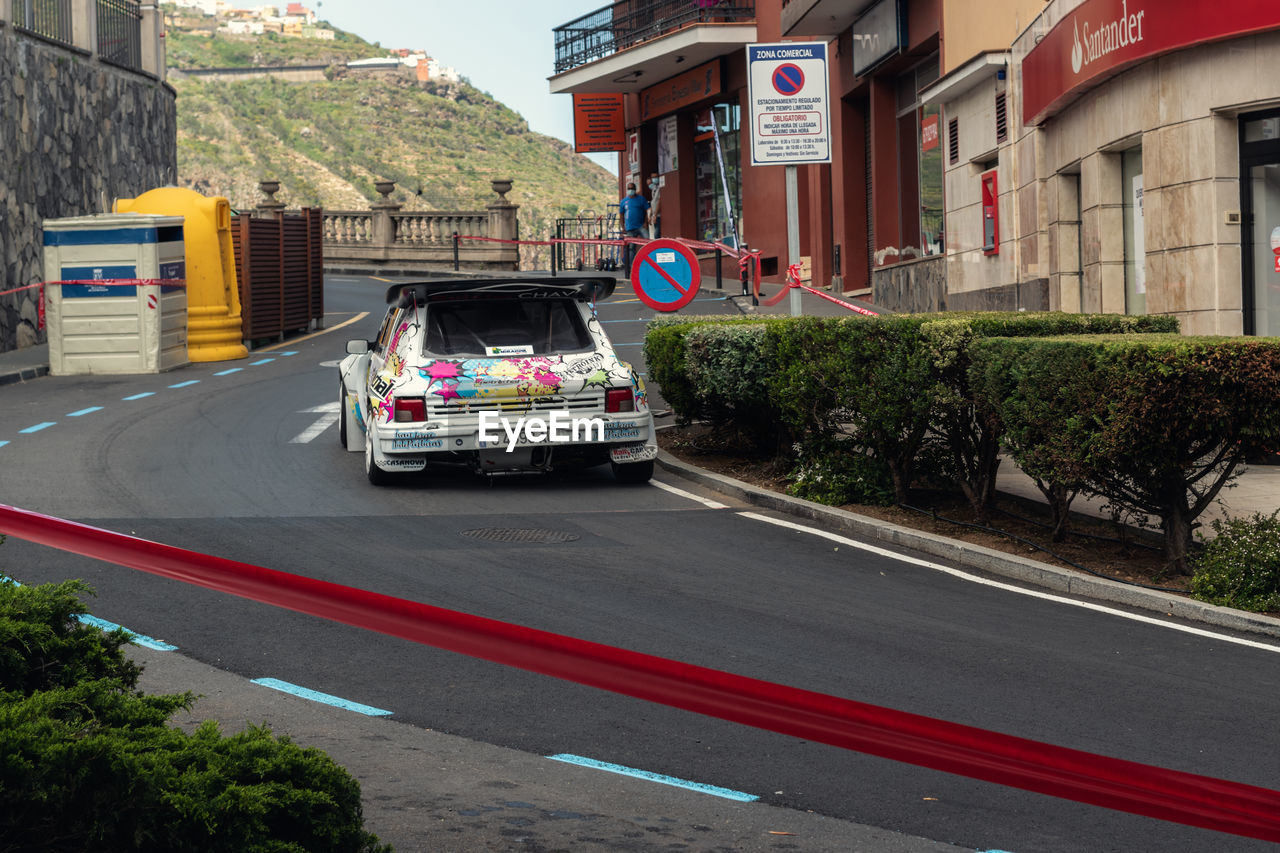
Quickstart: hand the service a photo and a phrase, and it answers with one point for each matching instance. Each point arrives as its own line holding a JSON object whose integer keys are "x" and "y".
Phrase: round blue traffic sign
{"x": 665, "y": 275}
{"x": 788, "y": 79}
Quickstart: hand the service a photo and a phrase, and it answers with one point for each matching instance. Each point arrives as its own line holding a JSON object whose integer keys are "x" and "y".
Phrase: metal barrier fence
{"x": 587, "y": 255}
{"x": 49, "y": 19}
{"x": 120, "y": 33}
{"x": 628, "y": 22}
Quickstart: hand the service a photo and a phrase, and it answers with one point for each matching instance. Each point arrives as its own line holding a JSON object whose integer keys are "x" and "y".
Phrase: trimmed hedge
{"x": 1154, "y": 424}
{"x": 87, "y": 762}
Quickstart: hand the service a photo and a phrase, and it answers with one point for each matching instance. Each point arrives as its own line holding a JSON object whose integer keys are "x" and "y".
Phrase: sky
{"x": 504, "y": 47}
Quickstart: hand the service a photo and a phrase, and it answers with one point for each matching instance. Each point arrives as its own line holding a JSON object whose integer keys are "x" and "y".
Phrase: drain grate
{"x": 524, "y": 535}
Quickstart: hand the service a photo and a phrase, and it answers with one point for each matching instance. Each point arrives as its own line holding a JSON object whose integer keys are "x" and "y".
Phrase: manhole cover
{"x": 521, "y": 534}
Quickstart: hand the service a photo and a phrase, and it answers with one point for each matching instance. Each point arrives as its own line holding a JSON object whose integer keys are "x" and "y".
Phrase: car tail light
{"x": 619, "y": 400}
{"x": 410, "y": 409}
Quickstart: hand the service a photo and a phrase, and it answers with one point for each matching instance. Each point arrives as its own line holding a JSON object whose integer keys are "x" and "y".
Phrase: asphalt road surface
{"x": 241, "y": 460}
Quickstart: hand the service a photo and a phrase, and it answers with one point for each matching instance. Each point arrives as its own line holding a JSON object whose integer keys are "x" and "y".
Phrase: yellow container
{"x": 213, "y": 299}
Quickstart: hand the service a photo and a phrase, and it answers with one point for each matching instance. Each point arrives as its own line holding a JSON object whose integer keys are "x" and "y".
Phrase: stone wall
{"x": 75, "y": 134}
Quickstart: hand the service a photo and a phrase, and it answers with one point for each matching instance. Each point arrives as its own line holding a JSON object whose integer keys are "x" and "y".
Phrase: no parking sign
{"x": 788, "y": 86}
{"x": 665, "y": 275}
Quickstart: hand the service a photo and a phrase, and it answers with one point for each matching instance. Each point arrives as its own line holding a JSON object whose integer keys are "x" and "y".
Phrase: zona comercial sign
{"x": 1101, "y": 38}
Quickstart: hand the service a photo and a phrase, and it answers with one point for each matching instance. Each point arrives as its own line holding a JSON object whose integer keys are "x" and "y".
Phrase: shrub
{"x": 1240, "y": 566}
{"x": 836, "y": 474}
{"x": 665, "y": 354}
{"x": 89, "y": 763}
{"x": 728, "y": 368}
{"x": 43, "y": 644}
{"x": 1157, "y": 425}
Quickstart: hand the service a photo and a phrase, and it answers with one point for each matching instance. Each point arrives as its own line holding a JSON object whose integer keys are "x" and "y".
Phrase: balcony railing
{"x": 120, "y": 32}
{"x": 49, "y": 19}
{"x": 629, "y": 22}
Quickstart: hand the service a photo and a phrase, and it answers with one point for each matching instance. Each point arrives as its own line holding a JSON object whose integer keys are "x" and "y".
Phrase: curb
{"x": 25, "y": 374}
{"x": 997, "y": 563}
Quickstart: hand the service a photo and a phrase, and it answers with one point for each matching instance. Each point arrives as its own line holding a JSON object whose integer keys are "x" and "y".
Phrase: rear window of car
{"x": 505, "y": 326}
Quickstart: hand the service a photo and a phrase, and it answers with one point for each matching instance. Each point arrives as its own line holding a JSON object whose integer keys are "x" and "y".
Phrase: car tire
{"x": 633, "y": 473}
{"x": 342, "y": 415}
{"x": 376, "y": 475}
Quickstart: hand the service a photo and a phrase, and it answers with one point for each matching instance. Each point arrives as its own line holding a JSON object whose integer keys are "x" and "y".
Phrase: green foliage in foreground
{"x": 87, "y": 762}
{"x": 1240, "y": 566}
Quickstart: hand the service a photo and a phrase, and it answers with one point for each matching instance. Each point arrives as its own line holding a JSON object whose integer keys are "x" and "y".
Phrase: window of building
{"x": 717, "y": 157}
{"x": 920, "y": 163}
{"x": 1135, "y": 251}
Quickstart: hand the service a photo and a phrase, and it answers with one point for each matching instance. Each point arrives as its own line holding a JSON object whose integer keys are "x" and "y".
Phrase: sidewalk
{"x": 22, "y": 365}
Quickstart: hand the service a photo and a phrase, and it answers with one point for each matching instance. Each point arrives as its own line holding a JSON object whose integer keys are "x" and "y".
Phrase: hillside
{"x": 327, "y": 142}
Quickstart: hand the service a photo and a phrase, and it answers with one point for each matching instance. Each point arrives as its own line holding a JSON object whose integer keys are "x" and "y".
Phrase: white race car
{"x": 507, "y": 375}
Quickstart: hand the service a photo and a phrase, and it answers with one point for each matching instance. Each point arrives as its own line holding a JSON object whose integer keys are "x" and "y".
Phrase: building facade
{"x": 1082, "y": 155}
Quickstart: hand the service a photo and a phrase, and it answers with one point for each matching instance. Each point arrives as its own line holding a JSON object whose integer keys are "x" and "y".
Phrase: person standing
{"x": 634, "y": 210}
{"x": 655, "y": 208}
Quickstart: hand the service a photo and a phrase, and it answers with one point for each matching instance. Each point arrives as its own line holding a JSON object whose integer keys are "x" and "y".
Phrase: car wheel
{"x": 371, "y": 470}
{"x": 342, "y": 415}
{"x": 633, "y": 472}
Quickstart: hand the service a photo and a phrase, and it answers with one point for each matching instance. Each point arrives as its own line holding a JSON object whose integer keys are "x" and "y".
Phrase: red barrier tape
{"x": 20, "y": 289}
{"x": 1033, "y": 766}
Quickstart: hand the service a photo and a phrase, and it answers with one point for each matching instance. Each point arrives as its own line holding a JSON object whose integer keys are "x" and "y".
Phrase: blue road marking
{"x": 655, "y": 777}
{"x": 185, "y": 384}
{"x": 316, "y": 696}
{"x": 140, "y": 396}
{"x": 290, "y": 352}
{"x": 87, "y": 411}
{"x": 135, "y": 638}
{"x": 232, "y": 370}
{"x": 38, "y": 427}
{"x": 261, "y": 361}
{"x": 3, "y": 443}
{"x": 640, "y": 344}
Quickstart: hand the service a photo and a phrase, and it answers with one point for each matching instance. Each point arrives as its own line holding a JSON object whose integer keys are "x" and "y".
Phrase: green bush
{"x": 836, "y": 475}
{"x": 1156, "y": 424}
{"x": 665, "y": 354}
{"x": 87, "y": 762}
{"x": 1240, "y": 566}
{"x": 43, "y": 644}
{"x": 728, "y": 367}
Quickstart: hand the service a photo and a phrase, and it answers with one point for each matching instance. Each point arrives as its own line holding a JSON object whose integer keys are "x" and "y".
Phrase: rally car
{"x": 506, "y": 375}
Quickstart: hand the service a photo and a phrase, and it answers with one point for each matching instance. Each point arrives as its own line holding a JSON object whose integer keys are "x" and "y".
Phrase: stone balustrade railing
{"x": 385, "y": 239}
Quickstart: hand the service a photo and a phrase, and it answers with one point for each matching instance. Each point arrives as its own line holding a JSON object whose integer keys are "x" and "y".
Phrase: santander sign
{"x": 1105, "y": 38}
{"x": 1102, "y": 38}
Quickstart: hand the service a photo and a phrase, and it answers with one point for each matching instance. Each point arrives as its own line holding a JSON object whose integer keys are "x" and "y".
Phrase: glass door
{"x": 1260, "y": 231}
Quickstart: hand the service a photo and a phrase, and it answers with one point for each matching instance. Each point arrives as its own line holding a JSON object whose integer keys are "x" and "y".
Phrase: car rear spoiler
{"x": 592, "y": 289}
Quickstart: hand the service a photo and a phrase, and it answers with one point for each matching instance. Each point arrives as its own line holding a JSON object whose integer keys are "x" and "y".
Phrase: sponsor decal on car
{"x": 619, "y": 430}
{"x": 633, "y": 453}
{"x": 524, "y": 349}
{"x": 404, "y": 440}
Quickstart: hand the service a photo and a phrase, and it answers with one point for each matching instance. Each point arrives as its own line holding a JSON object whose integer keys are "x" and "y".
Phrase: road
{"x": 241, "y": 459}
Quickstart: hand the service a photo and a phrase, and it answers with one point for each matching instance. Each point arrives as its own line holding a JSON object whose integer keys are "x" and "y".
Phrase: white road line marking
{"x": 690, "y": 495}
{"x": 1047, "y": 596}
{"x": 323, "y": 408}
{"x": 311, "y": 432}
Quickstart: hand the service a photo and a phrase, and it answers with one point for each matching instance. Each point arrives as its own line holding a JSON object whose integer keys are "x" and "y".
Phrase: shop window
{"x": 717, "y": 157}
{"x": 1135, "y": 252}
{"x": 920, "y": 164}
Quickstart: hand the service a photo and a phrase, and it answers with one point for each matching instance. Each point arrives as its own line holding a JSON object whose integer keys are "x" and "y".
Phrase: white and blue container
{"x": 105, "y": 310}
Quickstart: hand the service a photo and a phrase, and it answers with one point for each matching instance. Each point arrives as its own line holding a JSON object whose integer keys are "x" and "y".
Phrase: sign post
{"x": 788, "y": 87}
